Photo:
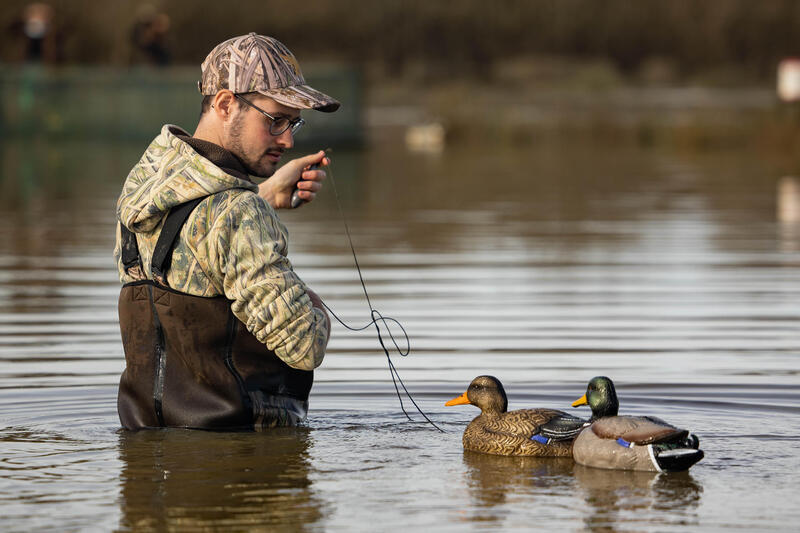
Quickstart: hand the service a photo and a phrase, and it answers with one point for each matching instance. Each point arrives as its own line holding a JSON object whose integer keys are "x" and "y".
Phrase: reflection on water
{"x": 192, "y": 480}
{"x": 495, "y": 480}
{"x": 788, "y": 213}
{"x": 614, "y": 499}
{"x": 620, "y": 498}
{"x": 788, "y": 210}
{"x": 669, "y": 272}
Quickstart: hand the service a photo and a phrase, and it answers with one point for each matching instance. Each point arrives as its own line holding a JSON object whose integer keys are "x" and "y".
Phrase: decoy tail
{"x": 676, "y": 459}
{"x": 678, "y": 456}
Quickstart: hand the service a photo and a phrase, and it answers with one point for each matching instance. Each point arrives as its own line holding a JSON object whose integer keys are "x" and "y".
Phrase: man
{"x": 218, "y": 330}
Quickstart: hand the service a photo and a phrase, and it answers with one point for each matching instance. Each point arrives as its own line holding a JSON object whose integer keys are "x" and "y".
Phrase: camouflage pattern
{"x": 233, "y": 244}
{"x": 256, "y": 63}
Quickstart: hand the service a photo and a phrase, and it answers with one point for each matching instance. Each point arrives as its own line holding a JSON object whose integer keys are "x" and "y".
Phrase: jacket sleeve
{"x": 268, "y": 297}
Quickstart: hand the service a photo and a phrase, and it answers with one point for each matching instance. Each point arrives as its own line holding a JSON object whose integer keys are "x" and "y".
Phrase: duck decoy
{"x": 527, "y": 432}
{"x": 630, "y": 442}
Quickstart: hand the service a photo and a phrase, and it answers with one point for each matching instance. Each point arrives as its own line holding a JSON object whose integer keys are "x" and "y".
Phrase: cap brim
{"x": 302, "y": 97}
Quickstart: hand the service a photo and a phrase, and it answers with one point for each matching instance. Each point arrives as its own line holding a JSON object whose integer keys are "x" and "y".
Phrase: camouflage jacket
{"x": 233, "y": 244}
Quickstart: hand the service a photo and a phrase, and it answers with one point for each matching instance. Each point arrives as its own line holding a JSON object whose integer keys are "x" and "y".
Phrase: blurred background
{"x": 541, "y": 190}
{"x": 697, "y": 74}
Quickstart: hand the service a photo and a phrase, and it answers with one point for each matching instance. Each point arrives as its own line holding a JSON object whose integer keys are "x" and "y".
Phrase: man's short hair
{"x": 205, "y": 105}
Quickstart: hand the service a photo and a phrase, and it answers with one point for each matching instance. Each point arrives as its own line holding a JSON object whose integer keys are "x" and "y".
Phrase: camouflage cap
{"x": 256, "y": 63}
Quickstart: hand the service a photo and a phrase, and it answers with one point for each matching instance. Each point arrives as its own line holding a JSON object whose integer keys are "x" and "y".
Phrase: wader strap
{"x": 162, "y": 253}
{"x": 130, "y": 250}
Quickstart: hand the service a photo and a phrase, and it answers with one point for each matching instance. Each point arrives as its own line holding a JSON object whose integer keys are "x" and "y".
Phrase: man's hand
{"x": 277, "y": 189}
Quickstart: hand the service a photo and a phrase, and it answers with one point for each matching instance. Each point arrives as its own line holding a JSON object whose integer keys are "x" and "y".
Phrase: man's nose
{"x": 286, "y": 139}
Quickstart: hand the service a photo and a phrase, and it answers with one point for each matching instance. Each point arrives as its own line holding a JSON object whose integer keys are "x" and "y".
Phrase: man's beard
{"x": 235, "y": 147}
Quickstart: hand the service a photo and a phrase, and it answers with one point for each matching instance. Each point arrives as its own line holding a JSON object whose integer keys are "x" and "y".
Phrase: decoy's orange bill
{"x": 580, "y": 401}
{"x": 461, "y": 400}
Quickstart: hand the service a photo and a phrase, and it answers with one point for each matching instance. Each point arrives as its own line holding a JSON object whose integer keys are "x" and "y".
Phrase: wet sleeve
{"x": 268, "y": 297}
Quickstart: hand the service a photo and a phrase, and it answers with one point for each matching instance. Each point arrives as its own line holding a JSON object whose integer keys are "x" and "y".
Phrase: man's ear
{"x": 223, "y": 104}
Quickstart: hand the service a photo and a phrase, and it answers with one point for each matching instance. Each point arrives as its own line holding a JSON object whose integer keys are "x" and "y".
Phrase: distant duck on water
{"x": 526, "y": 432}
{"x": 630, "y": 442}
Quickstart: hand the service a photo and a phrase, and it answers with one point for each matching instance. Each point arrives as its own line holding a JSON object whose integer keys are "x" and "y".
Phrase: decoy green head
{"x": 485, "y": 392}
{"x": 601, "y": 397}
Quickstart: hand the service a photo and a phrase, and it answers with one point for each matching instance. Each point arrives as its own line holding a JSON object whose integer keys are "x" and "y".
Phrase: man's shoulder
{"x": 239, "y": 200}
{"x": 235, "y": 206}
{"x": 237, "y": 216}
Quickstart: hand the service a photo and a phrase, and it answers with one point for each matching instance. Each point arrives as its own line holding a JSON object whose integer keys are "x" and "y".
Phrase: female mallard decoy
{"x": 630, "y": 442}
{"x": 532, "y": 432}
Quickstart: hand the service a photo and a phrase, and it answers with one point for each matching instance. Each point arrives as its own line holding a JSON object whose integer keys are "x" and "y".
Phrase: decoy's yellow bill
{"x": 461, "y": 400}
{"x": 580, "y": 401}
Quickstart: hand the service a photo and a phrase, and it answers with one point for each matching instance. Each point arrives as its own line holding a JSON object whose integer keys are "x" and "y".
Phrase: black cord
{"x": 378, "y": 318}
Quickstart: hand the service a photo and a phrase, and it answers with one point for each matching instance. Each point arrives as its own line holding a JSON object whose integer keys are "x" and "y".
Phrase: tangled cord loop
{"x": 377, "y": 319}
{"x": 385, "y": 320}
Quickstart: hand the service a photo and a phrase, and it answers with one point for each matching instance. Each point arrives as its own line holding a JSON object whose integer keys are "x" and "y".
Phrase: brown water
{"x": 544, "y": 267}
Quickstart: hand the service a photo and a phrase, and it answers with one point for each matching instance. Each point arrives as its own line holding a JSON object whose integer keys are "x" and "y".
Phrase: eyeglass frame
{"x": 294, "y": 124}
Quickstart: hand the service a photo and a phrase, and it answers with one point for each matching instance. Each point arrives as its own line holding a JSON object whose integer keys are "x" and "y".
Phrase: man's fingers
{"x": 313, "y": 175}
{"x": 307, "y": 161}
{"x": 307, "y": 195}
{"x": 308, "y": 185}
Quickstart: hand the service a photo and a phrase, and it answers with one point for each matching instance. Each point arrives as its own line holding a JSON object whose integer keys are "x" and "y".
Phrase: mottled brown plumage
{"x": 499, "y": 432}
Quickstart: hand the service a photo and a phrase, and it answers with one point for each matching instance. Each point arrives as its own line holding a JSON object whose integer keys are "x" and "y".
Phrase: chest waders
{"x": 189, "y": 362}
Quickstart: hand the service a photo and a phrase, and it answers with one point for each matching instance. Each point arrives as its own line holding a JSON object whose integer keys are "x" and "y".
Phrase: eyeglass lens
{"x": 279, "y": 125}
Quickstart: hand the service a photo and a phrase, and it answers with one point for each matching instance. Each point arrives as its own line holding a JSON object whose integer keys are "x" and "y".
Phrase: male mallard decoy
{"x": 532, "y": 432}
{"x": 630, "y": 442}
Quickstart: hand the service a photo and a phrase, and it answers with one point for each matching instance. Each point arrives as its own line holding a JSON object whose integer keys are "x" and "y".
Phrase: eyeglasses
{"x": 278, "y": 124}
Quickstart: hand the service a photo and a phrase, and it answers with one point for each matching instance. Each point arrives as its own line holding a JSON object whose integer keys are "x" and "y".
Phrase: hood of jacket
{"x": 170, "y": 173}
